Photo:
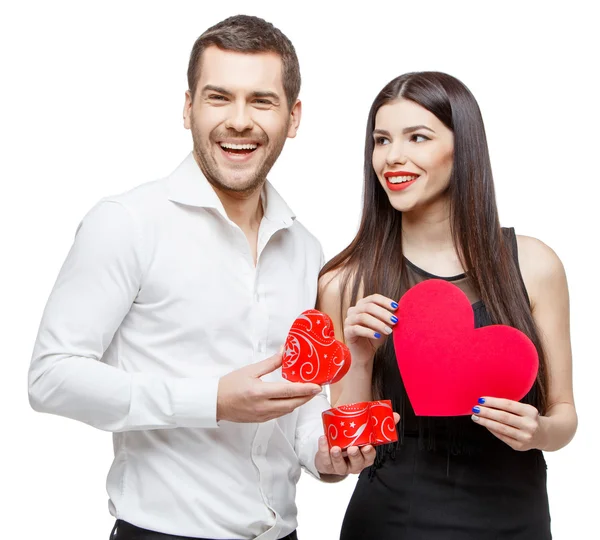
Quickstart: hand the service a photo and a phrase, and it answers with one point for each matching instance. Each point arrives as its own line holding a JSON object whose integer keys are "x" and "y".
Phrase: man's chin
{"x": 239, "y": 186}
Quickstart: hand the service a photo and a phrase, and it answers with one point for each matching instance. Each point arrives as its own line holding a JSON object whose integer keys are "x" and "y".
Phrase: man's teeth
{"x": 231, "y": 146}
{"x": 401, "y": 179}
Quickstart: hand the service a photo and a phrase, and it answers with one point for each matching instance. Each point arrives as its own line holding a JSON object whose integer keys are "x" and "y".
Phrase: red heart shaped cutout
{"x": 446, "y": 364}
{"x": 311, "y": 352}
{"x": 358, "y": 424}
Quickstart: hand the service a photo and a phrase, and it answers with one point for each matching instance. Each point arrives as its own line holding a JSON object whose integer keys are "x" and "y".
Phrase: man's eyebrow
{"x": 265, "y": 94}
{"x": 255, "y": 94}
{"x": 218, "y": 89}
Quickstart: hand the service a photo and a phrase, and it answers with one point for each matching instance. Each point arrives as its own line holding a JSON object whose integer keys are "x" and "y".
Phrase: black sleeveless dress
{"x": 448, "y": 478}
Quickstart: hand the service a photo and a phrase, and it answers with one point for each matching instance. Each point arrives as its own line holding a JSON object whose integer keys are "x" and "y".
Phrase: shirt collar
{"x": 188, "y": 186}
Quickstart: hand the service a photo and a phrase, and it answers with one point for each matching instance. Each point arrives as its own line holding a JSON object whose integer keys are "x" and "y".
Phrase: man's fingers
{"x": 287, "y": 405}
{"x": 356, "y": 458}
{"x": 289, "y": 390}
{"x": 369, "y": 454}
{"x": 338, "y": 461}
{"x": 265, "y": 366}
{"x": 323, "y": 458}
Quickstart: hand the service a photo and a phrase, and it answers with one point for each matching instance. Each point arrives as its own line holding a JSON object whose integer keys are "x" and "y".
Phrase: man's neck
{"x": 244, "y": 209}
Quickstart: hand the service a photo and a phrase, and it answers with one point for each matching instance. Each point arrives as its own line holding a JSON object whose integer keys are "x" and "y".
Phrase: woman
{"x": 430, "y": 212}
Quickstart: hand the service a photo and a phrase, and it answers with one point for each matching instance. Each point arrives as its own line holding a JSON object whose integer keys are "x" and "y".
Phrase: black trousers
{"x": 126, "y": 531}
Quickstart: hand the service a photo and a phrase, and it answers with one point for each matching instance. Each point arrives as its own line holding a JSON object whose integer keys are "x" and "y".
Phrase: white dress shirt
{"x": 159, "y": 298}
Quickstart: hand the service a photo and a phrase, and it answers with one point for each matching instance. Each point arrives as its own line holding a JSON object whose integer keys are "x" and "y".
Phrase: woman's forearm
{"x": 558, "y": 426}
{"x": 356, "y": 386}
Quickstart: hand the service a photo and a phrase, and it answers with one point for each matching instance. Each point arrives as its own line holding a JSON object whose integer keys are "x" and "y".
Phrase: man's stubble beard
{"x": 210, "y": 169}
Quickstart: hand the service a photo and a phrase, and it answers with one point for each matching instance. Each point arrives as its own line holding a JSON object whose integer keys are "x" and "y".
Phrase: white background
{"x": 91, "y": 104}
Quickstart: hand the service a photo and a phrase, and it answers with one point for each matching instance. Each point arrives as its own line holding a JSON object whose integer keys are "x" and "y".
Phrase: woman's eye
{"x": 418, "y": 138}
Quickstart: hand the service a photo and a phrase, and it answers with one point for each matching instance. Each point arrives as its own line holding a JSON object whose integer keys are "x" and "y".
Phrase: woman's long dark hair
{"x": 374, "y": 259}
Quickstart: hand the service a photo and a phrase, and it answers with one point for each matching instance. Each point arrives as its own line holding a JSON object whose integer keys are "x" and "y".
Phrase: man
{"x": 171, "y": 298}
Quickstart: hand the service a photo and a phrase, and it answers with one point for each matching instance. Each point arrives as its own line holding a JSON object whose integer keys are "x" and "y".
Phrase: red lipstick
{"x": 403, "y": 184}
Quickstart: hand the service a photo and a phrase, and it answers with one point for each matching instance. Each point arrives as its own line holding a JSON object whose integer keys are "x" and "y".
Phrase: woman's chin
{"x": 403, "y": 206}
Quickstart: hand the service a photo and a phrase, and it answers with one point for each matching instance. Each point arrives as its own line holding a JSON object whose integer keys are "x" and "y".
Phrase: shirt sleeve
{"x": 308, "y": 430}
{"x": 94, "y": 291}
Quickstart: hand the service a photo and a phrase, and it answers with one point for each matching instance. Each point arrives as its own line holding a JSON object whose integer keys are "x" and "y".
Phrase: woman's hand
{"x": 367, "y": 324}
{"x": 517, "y": 424}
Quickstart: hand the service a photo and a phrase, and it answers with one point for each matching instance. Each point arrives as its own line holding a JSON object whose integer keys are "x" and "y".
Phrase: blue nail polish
{"x": 377, "y": 335}
{"x": 394, "y": 305}
{"x": 394, "y": 319}
{"x": 481, "y": 400}
{"x": 476, "y": 410}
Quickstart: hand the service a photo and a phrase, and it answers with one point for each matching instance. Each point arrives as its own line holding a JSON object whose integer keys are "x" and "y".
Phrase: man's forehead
{"x": 241, "y": 69}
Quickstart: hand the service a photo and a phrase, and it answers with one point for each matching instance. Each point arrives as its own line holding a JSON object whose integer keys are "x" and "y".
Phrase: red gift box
{"x": 311, "y": 352}
{"x": 359, "y": 424}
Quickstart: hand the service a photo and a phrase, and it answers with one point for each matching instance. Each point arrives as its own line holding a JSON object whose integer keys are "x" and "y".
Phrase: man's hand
{"x": 333, "y": 462}
{"x": 243, "y": 397}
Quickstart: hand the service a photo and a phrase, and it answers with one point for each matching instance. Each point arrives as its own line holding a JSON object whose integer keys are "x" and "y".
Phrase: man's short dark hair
{"x": 248, "y": 34}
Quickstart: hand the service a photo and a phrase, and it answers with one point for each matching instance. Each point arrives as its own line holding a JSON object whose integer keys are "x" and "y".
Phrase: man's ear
{"x": 187, "y": 110}
{"x": 295, "y": 115}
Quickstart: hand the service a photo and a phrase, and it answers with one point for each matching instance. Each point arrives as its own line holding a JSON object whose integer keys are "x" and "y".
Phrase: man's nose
{"x": 239, "y": 118}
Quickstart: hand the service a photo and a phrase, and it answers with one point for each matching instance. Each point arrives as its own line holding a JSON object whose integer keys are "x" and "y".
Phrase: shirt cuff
{"x": 195, "y": 402}
{"x": 307, "y": 450}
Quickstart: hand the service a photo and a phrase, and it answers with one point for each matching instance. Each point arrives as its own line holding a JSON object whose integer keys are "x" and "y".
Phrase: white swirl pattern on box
{"x": 301, "y": 343}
